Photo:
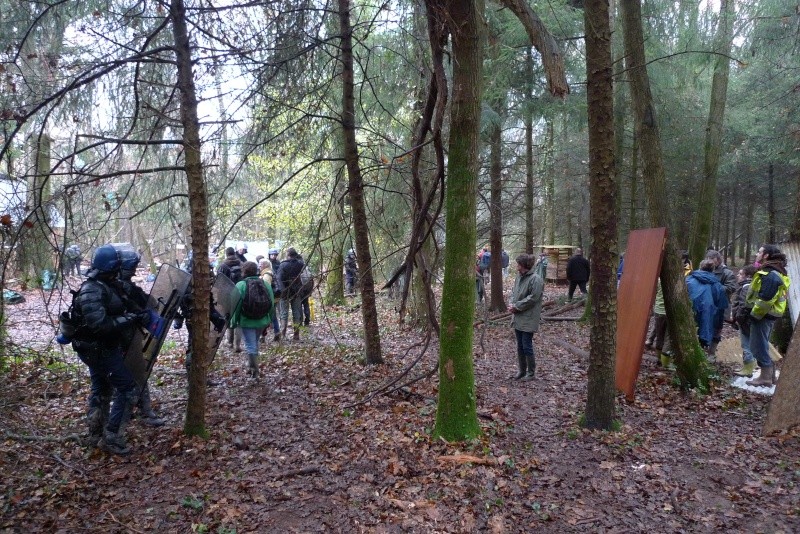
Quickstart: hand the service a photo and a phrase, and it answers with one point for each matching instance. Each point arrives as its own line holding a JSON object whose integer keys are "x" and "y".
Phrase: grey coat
{"x": 527, "y": 298}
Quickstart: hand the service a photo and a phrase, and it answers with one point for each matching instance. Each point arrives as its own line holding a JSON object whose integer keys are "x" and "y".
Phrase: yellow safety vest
{"x": 776, "y": 306}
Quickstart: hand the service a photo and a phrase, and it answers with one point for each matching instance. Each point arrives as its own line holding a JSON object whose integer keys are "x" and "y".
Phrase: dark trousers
{"x": 581, "y": 284}
{"x": 658, "y": 335}
{"x": 109, "y": 372}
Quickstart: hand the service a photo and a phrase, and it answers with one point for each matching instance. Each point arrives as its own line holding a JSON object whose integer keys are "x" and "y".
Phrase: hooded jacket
{"x": 709, "y": 302}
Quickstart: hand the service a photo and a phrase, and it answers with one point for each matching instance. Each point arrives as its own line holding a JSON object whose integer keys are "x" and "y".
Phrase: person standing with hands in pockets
{"x": 526, "y": 311}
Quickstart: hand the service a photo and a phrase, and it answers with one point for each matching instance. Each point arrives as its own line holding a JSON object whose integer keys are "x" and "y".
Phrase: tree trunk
{"x": 735, "y": 248}
{"x": 794, "y": 229}
{"x": 529, "y": 185}
{"x": 369, "y": 312}
{"x": 456, "y": 417}
{"x": 419, "y": 261}
{"x": 497, "y": 303}
{"x": 601, "y": 390}
{"x": 334, "y": 281}
{"x": 707, "y": 197}
{"x": 749, "y": 224}
{"x": 770, "y": 237}
{"x": 550, "y": 184}
{"x": 198, "y": 207}
{"x": 620, "y": 115}
{"x": 545, "y": 43}
{"x": 634, "y": 204}
{"x": 690, "y": 359}
{"x": 35, "y": 246}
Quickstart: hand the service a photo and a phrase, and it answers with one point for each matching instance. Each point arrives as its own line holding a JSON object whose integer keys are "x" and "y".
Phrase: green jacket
{"x": 527, "y": 298}
{"x": 239, "y": 320}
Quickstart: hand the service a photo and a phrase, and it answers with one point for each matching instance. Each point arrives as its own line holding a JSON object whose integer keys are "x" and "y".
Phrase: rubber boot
{"x": 530, "y": 373}
{"x": 237, "y": 340}
{"x": 522, "y": 367}
{"x": 746, "y": 369}
{"x": 764, "y": 379}
{"x": 252, "y": 365}
{"x": 296, "y": 335}
{"x": 149, "y": 417}
{"x": 664, "y": 359}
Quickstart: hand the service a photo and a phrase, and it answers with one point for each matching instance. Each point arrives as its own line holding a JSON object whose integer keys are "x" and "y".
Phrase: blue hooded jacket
{"x": 709, "y": 302}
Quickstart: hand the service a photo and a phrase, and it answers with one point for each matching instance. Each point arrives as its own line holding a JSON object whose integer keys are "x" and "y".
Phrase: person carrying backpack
{"x": 253, "y": 313}
{"x": 103, "y": 330}
{"x": 232, "y": 268}
{"x": 291, "y": 294}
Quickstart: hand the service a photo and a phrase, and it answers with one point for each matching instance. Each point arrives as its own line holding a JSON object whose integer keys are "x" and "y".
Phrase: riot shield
{"x": 168, "y": 290}
{"x": 224, "y": 299}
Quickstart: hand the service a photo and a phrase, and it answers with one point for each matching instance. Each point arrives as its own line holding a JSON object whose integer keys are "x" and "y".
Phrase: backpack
{"x": 307, "y": 280}
{"x": 257, "y": 302}
{"x": 485, "y": 260}
{"x": 235, "y": 273}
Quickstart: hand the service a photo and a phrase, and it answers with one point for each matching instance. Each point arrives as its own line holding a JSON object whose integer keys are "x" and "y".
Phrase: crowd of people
{"x": 109, "y": 314}
{"x": 751, "y": 300}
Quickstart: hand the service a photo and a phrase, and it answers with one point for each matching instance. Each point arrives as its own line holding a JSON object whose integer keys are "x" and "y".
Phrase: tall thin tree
{"x": 369, "y": 312}
{"x": 601, "y": 390}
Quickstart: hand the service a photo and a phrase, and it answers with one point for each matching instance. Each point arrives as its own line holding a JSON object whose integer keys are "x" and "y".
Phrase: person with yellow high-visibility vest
{"x": 766, "y": 300}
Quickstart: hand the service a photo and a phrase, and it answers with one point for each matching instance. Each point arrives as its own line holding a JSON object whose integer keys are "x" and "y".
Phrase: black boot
{"x": 149, "y": 417}
{"x": 531, "y": 365}
{"x": 114, "y": 441}
{"x": 522, "y": 367}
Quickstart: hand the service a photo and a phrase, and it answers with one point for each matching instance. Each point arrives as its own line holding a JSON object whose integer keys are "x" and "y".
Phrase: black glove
{"x": 143, "y": 318}
{"x": 124, "y": 321}
{"x": 218, "y": 321}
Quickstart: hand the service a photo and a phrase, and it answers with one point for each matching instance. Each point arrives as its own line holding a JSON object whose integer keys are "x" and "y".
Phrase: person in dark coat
{"x": 136, "y": 302}
{"x": 577, "y": 273}
{"x": 104, "y": 331}
{"x": 232, "y": 268}
{"x": 728, "y": 281}
{"x": 291, "y": 290}
{"x": 350, "y": 272}
{"x": 709, "y": 302}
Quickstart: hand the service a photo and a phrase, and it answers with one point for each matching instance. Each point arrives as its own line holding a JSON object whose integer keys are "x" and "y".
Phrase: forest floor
{"x": 290, "y": 454}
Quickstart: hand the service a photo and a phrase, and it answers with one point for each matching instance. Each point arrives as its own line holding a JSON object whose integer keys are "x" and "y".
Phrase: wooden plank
{"x": 635, "y": 296}
{"x": 784, "y": 410}
{"x": 792, "y": 251}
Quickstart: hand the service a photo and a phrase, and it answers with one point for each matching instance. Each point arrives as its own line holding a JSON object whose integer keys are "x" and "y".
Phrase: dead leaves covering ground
{"x": 285, "y": 455}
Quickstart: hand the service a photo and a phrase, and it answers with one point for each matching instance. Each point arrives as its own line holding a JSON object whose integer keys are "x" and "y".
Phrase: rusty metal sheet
{"x": 792, "y": 251}
{"x": 635, "y": 296}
